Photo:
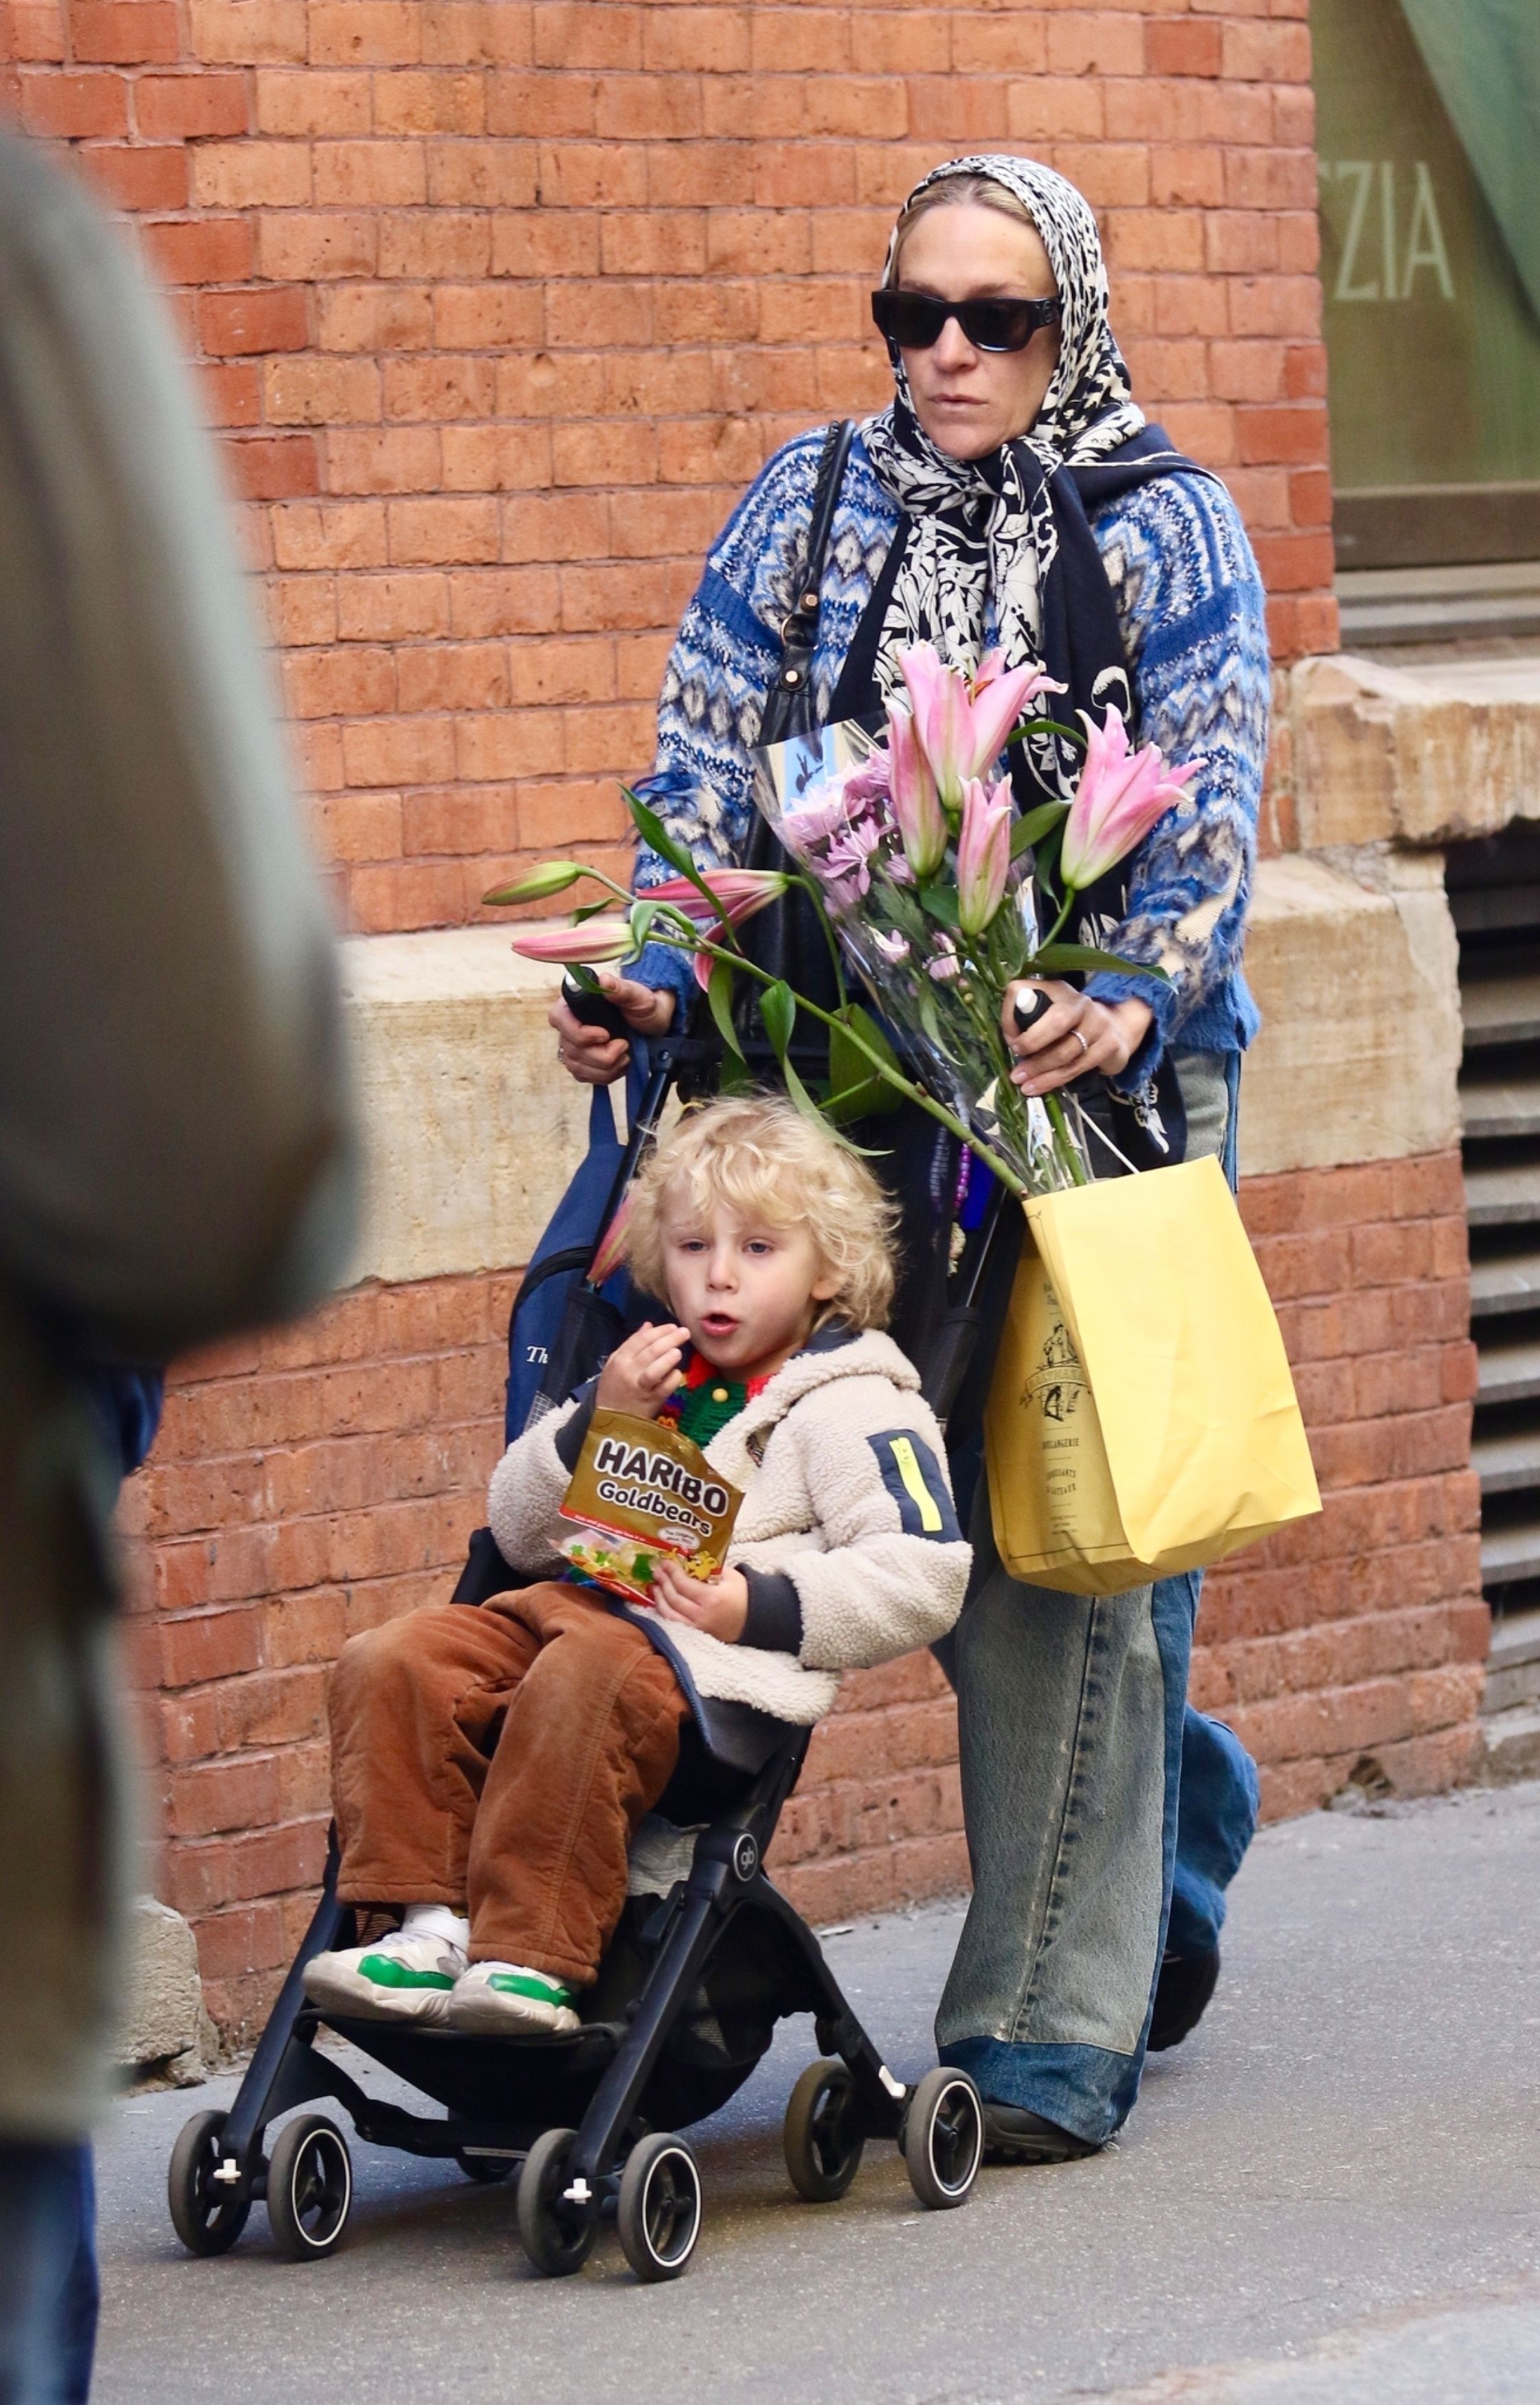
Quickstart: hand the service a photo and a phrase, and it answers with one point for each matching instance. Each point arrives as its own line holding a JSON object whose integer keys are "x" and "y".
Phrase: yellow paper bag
{"x": 1142, "y": 1420}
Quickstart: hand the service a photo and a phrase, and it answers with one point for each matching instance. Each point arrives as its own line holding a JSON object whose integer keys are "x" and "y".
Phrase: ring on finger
{"x": 1081, "y": 1041}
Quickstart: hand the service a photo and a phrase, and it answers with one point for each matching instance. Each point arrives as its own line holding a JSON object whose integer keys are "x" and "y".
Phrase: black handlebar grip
{"x": 594, "y": 1009}
{"x": 1031, "y": 1008}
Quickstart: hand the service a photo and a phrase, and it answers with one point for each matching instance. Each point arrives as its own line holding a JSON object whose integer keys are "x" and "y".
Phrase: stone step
{"x": 1511, "y": 1745}
{"x": 1508, "y": 1373}
{"x": 1500, "y": 1010}
{"x": 1504, "y": 1198}
{"x": 1510, "y": 1554}
{"x": 1508, "y": 1462}
{"x": 1499, "y": 1111}
{"x": 1509, "y": 1285}
{"x": 1512, "y": 1664}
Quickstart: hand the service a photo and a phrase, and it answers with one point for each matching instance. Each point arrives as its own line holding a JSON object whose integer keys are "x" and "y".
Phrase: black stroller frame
{"x": 683, "y": 2012}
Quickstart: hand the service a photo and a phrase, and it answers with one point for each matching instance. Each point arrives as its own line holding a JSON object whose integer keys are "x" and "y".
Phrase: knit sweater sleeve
{"x": 724, "y": 659}
{"x": 1193, "y": 611}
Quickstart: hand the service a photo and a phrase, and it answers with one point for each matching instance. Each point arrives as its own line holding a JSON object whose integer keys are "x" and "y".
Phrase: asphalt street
{"x": 1330, "y": 2193}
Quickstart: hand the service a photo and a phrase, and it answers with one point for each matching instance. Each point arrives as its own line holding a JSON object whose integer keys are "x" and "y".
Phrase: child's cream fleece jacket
{"x": 847, "y": 1531}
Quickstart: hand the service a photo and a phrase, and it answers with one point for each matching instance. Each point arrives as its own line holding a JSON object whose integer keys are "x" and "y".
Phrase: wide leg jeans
{"x": 1073, "y": 1725}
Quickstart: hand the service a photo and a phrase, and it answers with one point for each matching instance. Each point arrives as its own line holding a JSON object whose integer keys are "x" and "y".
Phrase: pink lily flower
{"x": 740, "y": 891}
{"x": 916, "y": 804}
{"x": 961, "y": 723}
{"x": 998, "y": 698}
{"x": 944, "y": 965}
{"x": 596, "y": 939}
{"x": 983, "y": 854}
{"x": 1122, "y": 793}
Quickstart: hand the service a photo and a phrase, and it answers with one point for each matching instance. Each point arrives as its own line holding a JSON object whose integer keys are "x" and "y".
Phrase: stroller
{"x": 686, "y": 2004}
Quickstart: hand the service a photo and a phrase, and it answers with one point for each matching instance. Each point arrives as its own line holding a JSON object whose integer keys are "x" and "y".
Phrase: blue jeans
{"x": 50, "y": 2291}
{"x": 1075, "y": 1735}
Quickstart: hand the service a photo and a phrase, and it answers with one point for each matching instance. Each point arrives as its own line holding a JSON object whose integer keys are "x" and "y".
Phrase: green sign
{"x": 1428, "y": 131}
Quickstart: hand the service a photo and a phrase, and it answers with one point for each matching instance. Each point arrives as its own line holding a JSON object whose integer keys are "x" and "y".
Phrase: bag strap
{"x": 800, "y": 627}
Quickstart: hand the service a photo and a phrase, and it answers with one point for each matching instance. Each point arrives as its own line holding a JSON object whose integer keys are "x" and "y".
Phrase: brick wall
{"x": 499, "y": 307}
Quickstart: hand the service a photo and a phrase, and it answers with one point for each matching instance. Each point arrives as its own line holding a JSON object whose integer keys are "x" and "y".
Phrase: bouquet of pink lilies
{"x": 927, "y": 880}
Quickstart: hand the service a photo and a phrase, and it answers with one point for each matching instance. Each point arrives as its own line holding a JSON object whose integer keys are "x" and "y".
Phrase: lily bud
{"x": 983, "y": 854}
{"x": 912, "y": 796}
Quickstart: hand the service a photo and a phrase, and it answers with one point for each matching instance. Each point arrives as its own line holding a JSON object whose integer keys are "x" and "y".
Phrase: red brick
{"x": 77, "y": 107}
{"x": 231, "y": 324}
{"x": 214, "y": 250}
{"x": 139, "y": 178}
{"x": 123, "y": 33}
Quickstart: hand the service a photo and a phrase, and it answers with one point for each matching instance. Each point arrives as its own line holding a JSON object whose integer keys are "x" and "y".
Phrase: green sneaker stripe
{"x": 386, "y": 1972}
{"x": 533, "y": 1984}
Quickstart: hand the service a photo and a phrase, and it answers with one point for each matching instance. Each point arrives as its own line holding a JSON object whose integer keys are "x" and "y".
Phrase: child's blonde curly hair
{"x": 756, "y": 1154}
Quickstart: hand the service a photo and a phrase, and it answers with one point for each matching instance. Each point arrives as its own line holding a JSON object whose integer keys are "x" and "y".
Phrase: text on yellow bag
{"x": 1142, "y": 1418}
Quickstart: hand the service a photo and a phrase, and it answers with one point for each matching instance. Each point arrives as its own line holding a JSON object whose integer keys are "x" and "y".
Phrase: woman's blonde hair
{"x": 954, "y": 191}
{"x": 756, "y": 1154}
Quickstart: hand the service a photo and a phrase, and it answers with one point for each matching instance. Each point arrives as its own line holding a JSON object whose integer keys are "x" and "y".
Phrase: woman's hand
{"x": 720, "y": 1606}
{"x": 640, "y": 1375}
{"x": 591, "y": 1054}
{"x": 1073, "y": 1035}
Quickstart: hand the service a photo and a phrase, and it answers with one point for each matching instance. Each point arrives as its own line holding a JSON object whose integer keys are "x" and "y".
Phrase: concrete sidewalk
{"x": 1331, "y": 2193}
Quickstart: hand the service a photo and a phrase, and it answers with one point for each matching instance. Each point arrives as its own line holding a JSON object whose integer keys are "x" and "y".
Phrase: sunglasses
{"x": 915, "y": 320}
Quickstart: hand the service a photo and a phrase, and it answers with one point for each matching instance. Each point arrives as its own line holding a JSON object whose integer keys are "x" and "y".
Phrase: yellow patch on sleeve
{"x": 913, "y": 1477}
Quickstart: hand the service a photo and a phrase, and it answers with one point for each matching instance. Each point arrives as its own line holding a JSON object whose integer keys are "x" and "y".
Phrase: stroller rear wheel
{"x": 943, "y": 2140}
{"x": 309, "y": 2188}
{"x": 558, "y": 2232}
{"x": 822, "y": 2151}
{"x": 658, "y": 2215}
{"x": 206, "y": 2214}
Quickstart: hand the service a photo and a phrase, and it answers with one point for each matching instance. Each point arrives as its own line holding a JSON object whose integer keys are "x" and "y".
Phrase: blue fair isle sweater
{"x": 1191, "y": 607}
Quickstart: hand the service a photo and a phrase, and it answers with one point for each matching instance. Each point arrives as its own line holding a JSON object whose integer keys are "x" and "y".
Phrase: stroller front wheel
{"x": 943, "y": 2139}
{"x": 822, "y": 2152}
{"x": 207, "y": 2216}
{"x": 658, "y": 2213}
{"x": 557, "y": 2234}
{"x": 309, "y": 2188}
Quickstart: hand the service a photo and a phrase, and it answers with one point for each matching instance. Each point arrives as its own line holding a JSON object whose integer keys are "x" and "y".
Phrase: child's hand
{"x": 640, "y": 1375}
{"x": 720, "y": 1606}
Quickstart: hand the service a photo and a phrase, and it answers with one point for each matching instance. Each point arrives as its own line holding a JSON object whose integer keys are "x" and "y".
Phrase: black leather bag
{"x": 787, "y": 940}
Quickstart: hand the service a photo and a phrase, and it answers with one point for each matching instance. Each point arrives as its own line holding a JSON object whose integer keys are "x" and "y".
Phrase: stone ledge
{"x": 1423, "y": 754}
{"x": 471, "y": 1133}
{"x": 1357, "y": 984}
{"x": 167, "y": 2038}
{"x": 471, "y": 1130}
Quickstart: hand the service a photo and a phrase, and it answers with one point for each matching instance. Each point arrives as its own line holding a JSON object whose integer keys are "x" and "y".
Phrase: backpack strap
{"x": 789, "y": 705}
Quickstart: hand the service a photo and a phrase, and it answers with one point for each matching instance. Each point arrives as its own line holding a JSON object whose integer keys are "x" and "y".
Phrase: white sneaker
{"x": 508, "y": 2000}
{"x": 399, "y": 1978}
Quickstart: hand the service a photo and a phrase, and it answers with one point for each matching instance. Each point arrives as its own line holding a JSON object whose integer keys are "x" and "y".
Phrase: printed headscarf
{"x": 983, "y": 541}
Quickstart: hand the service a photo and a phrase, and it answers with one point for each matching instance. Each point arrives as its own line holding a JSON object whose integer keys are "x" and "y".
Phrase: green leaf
{"x": 1047, "y": 726}
{"x": 778, "y": 1009}
{"x": 551, "y": 876}
{"x": 1031, "y": 829}
{"x": 857, "y": 1090}
{"x": 653, "y": 831}
{"x": 592, "y": 909}
{"x": 582, "y": 975}
{"x": 719, "y": 995}
{"x": 643, "y": 915}
{"x": 940, "y": 902}
{"x": 1054, "y": 957}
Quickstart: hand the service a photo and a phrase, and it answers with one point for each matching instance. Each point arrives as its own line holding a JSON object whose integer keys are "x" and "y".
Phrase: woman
{"x": 1012, "y": 495}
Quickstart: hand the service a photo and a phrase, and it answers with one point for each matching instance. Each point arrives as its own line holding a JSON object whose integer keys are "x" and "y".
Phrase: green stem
{"x": 1069, "y": 1150}
{"x": 1008, "y": 1176}
{"x": 829, "y": 936}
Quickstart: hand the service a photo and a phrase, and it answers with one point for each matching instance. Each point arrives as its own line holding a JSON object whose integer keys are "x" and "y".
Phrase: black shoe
{"x": 1186, "y": 1983}
{"x": 1014, "y": 2135}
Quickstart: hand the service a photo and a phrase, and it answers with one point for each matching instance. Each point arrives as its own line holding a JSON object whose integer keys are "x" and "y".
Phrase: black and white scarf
{"x": 985, "y": 539}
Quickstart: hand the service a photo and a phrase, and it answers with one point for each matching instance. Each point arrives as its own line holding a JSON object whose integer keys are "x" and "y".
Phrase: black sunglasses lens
{"x": 998, "y": 325}
{"x": 911, "y": 319}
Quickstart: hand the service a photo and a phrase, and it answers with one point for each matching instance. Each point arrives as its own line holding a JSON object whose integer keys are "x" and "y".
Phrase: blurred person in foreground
{"x": 174, "y": 1161}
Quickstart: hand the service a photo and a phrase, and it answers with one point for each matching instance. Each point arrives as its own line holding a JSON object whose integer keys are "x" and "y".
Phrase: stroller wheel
{"x": 206, "y": 2216}
{"x": 485, "y": 2170}
{"x": 822, "y": 2151}
{"x": 557, "y": 2233}
{"x": 658, "y": 2215}
{"x": 309, "y": 2188}
{"x": 943, "y": 2140}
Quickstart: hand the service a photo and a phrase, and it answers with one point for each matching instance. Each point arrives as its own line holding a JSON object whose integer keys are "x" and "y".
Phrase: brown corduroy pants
{"x": 498, "y": 1761}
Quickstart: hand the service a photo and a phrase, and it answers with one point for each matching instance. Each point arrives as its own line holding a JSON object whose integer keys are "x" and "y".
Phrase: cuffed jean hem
{"x": 1083, "y": 2089}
